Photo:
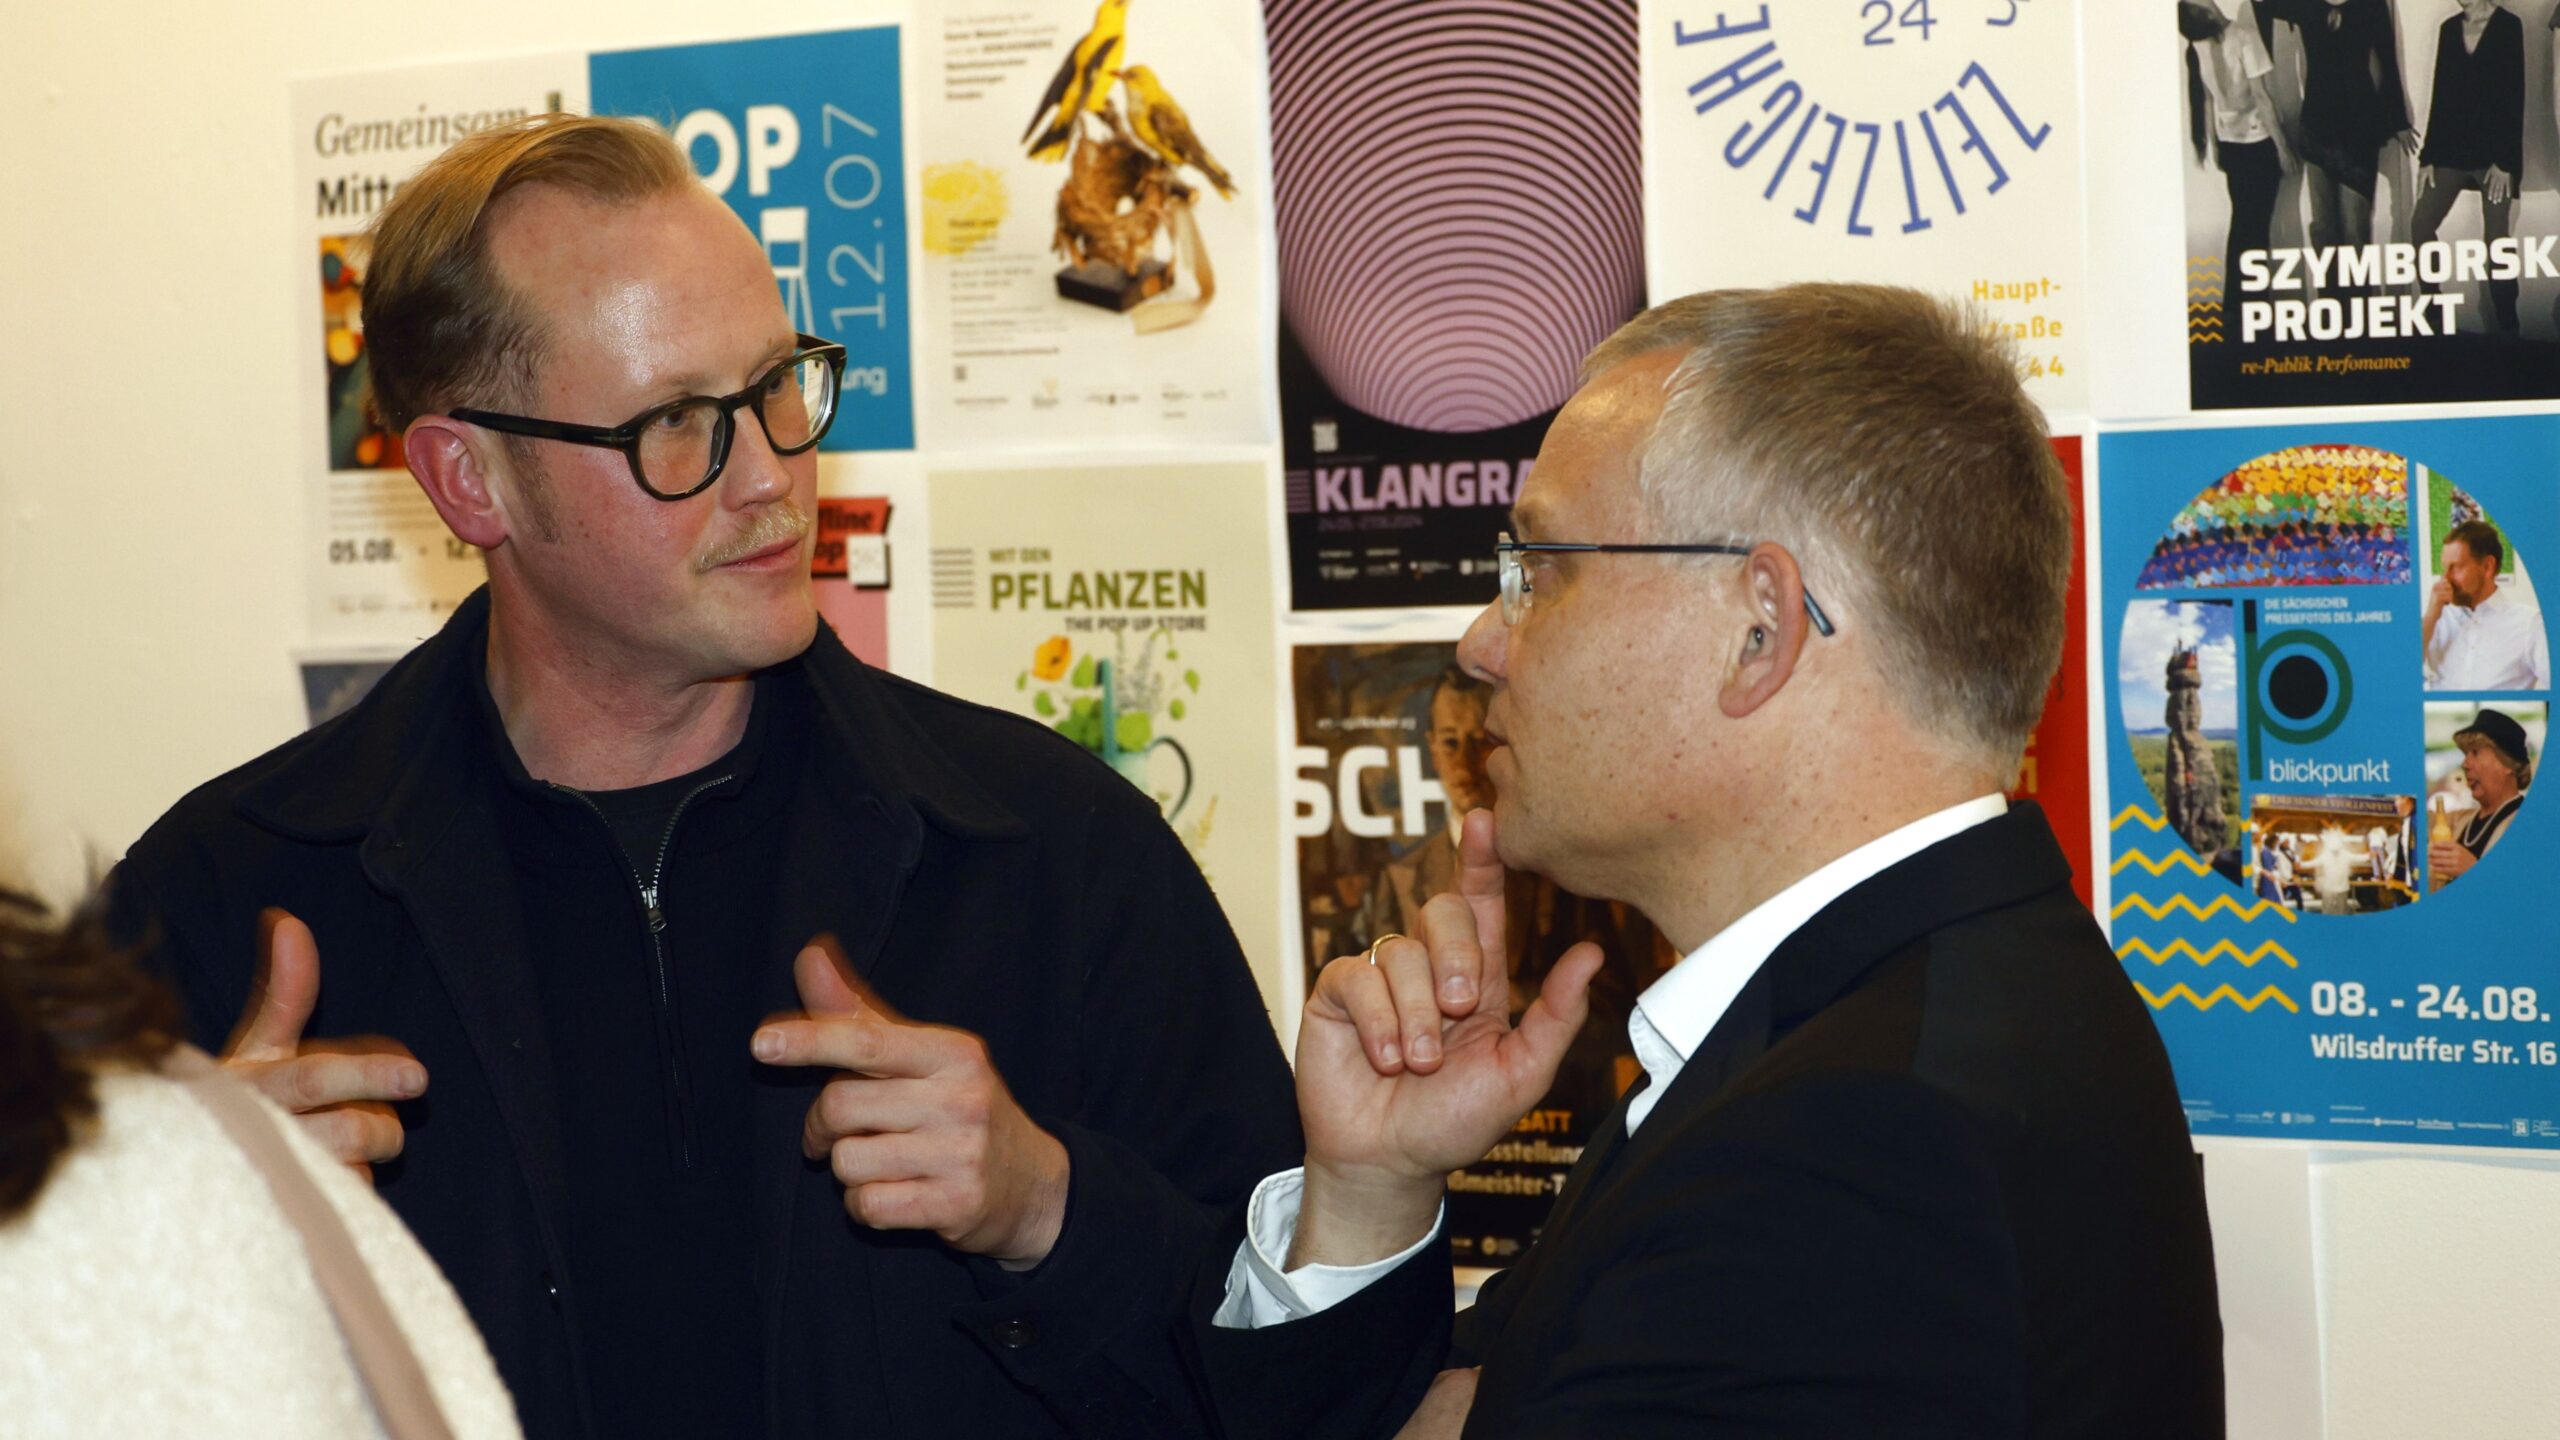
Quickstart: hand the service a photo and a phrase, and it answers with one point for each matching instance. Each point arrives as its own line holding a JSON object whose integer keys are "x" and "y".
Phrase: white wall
{"x": 150, "y": 246}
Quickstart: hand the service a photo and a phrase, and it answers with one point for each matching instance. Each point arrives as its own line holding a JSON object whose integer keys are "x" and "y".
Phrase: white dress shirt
{"x": 1670, "y": 1020}
{"x": 2497, "y": 644}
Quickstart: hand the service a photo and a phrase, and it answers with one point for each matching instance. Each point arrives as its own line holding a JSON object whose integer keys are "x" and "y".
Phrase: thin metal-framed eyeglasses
{"x": 1516, "y": 590}
{"x": 677, "y": 449}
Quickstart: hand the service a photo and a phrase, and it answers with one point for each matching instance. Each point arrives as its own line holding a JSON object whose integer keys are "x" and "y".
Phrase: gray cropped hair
{"x": 1883, "y": 437}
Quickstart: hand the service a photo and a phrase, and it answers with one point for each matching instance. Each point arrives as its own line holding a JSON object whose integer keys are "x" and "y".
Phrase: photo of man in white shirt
{"x": 2481, "y": 635}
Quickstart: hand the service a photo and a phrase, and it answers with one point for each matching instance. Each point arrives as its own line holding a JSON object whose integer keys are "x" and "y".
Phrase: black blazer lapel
{"x": 1993, "y": 865}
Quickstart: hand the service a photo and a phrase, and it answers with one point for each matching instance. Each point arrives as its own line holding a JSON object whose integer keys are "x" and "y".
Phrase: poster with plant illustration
{"x": 1129, "y": 610}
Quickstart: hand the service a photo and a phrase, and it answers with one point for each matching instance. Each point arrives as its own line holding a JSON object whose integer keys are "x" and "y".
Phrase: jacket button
{"x": 550, "y": 1288}
{"x": 1016, "y": 1334}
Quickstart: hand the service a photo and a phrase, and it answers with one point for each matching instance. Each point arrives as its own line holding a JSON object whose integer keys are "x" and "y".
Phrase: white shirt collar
{"x": 1680, "y": 1008}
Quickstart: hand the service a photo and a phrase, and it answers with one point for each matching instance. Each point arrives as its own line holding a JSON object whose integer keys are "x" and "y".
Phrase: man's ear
{"x": 446, "y": 457}
{"x": 1774, "y": 628}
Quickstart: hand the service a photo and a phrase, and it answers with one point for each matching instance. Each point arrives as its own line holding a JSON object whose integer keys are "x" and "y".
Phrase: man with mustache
{"x": 690, "y": 1167}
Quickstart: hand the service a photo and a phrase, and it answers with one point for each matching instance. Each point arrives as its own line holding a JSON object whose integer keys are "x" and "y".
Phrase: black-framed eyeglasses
{"x": 677, "y": 449}
{"x": 1516, "y": 590}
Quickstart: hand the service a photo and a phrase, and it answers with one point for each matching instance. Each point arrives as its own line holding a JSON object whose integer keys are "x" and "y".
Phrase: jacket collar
{"x": 386, "y": 768}
{"x": 1991, "y": 866}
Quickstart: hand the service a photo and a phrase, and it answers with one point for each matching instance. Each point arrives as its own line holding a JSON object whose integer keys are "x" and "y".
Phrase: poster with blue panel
{"x": 2329, "y": 688}
{"x": 800, "y": 135}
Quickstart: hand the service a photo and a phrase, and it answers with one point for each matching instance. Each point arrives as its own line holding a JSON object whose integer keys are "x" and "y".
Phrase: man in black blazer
{"x": 1909, "y": 1159}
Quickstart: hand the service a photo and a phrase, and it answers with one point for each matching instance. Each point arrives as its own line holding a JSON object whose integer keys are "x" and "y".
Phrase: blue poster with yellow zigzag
{"x": 2327, "y": 687}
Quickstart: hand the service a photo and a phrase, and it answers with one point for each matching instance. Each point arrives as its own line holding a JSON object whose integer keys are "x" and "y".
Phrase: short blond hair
{"x": 1883, "y": 437}
{"x": 441, "y": 325}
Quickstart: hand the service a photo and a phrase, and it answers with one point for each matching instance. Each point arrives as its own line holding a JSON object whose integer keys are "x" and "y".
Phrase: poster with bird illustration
{"x": 1094, "y": 189}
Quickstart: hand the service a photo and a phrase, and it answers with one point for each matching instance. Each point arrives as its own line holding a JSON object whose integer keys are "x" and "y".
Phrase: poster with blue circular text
{"x": 2328, "y": 685}
{"x": 1933, "y": 142}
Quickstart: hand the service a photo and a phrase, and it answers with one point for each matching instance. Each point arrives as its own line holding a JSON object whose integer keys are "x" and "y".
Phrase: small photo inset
{"x": 2306, "y": 515}
{"x": 356, "y": 441}
{"x": 2480, "y": 762}
{"x": 2480, "y": 622}
{"x": 2333, "y": 854}
{"x": 2177, "y": 680}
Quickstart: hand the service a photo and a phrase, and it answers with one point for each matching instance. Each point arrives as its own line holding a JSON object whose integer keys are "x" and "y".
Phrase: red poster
{"x": 2055, "y": 773}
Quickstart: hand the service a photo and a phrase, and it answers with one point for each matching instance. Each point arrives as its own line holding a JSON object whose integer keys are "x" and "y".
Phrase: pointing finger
{"x": 866, "y": 1044}
{"x": 311, "y": 1082}
{"x": 281, "y": 997}
{"x": 1485, "y": 885}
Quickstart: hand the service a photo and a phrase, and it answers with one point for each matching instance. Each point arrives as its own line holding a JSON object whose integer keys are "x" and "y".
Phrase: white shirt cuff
{"x": 1260, "y": 1293}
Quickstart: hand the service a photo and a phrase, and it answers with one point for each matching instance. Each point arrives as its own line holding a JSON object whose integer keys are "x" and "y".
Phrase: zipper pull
{"x": 657, "y": 917}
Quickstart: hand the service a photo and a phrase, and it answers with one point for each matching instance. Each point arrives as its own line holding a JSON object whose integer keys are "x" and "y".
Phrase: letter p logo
{"x": 2299, "y": 687}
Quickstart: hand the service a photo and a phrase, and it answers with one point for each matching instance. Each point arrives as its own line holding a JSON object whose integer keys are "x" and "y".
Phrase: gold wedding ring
{"x": 1381, "y": 940}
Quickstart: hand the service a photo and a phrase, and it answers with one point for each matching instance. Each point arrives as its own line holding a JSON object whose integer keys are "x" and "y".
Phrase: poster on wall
{"x": 2055, "y": 773}
{"x": 867, "y": 568}
{"x": 1459, "y": 210}
{"x": 335, "y": 679}
{"x": 801, "y": 135}
{"x": 378, "y": 567}
{"x": 1095, "y": 185}
{"x": 2369, "y": 212}
{"x": 1934, "y": 145}
{"x": 1129, "y": 610}
{"x": 1388, "y": 758}
{"x": 2328, "y": 690}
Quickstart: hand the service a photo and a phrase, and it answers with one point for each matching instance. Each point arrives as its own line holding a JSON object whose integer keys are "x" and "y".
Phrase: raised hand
{"x": 920, "y": 1129}
{"x": 341, "y": 1089}
{"x": 1409, "y": 1067}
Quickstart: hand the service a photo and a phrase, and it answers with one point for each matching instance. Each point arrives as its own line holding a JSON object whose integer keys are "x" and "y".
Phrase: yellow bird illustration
{"x": 1166, "y": 130}
{"x": 1080, "y": 87}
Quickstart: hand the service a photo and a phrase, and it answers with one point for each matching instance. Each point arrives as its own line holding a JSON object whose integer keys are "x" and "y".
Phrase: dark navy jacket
{"x": 980, "y": 871}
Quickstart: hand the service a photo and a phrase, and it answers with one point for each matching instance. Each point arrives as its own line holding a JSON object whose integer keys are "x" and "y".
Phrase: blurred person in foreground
{"x": 176, "y": 1257}
{"x": 568, "y": 859}
{"x": 1786, "y": 594}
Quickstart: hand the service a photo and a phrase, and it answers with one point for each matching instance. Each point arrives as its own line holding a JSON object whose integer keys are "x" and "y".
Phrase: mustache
{"x": 773, "y": 524}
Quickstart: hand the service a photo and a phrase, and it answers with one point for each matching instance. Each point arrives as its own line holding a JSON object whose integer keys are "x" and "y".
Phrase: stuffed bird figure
{"x": 1160, "y": 123}
{"x": 1082, "y": 85}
